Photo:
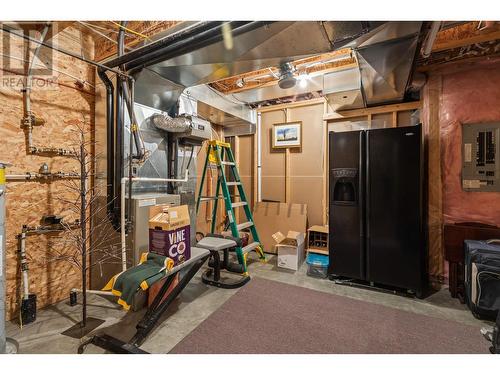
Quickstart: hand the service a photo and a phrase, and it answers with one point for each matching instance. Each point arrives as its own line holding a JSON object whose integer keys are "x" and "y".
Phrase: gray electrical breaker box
{"x": 481, "y": 157}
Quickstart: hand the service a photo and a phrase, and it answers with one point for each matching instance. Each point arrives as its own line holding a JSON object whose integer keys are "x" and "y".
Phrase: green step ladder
{"x": 216, "y": 151}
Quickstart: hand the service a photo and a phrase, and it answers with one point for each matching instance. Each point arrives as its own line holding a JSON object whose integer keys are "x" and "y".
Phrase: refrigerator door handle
{"x": 366, "y": 215}
{"x": 362, "y": 202}
{"x": 361, "y": 192}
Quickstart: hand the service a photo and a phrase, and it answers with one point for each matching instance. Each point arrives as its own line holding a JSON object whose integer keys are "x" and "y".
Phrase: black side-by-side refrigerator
{"x": 376, "y": 207}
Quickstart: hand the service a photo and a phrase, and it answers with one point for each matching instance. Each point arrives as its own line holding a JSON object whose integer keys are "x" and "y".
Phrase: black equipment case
{"x": 482, "y": 278}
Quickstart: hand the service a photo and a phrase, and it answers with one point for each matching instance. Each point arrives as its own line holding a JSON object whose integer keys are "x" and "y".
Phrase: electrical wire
{"x": 239, "y": 102}
{"x": 49, "y": 68}
{"x": 100, "y": 33}
{"x": 102, "y": 28}
{"x": 131, "y": 31}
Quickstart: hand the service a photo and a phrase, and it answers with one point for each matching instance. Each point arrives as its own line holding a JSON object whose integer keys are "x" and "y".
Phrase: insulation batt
{"x": 468, "y": 96}
{"x": 164, "y": 122}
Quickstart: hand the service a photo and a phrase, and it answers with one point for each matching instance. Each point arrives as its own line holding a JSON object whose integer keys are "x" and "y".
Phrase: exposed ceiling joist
{"x": 466, "y": 34}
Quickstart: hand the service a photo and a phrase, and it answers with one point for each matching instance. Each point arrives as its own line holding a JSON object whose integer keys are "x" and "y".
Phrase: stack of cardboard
{"x": 274, "y": 219}
{"x": 270, "y": 217}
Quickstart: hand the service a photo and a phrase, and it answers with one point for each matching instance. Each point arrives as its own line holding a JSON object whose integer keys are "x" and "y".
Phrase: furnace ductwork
{"x": 164, "y": 122}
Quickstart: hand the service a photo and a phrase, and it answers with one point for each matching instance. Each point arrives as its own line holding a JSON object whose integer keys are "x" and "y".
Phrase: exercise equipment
{"x": 216, "y": 153}
{"x": 159, "y": 306}
{"x": 216, "y": 243}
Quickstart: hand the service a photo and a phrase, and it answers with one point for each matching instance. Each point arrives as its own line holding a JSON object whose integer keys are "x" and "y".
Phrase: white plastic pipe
{"x": 122, "y": 213}
{"x": 100, "y": 292}
{"x": 427, "y": 49}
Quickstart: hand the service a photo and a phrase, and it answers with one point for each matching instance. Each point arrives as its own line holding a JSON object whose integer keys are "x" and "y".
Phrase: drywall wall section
{"x": 306, "y": 167}
{"x": 245, "y": 158}
{"x": 64, "y": 105}
{"x": 296, "y": 175}
{"x": 273, "y": 161}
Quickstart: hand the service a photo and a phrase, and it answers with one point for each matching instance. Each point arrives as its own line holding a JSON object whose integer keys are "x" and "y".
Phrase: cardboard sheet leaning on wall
{"x": 278, "y": 217}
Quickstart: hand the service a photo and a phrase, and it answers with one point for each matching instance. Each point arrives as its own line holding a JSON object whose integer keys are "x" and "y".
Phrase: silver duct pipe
{"x": 179, "y": 124}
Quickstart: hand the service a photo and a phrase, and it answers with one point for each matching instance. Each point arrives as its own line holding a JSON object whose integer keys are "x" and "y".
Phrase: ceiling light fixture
{"x": 287, "y": 80}
{"x": 303, "y": 78}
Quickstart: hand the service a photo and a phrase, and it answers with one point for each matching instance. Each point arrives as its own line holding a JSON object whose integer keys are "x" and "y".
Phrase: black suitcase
{"x": 482, "y": 278}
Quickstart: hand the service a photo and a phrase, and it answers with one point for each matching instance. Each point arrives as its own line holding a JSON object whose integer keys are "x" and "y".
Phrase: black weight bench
{"x": 156, "y": 310}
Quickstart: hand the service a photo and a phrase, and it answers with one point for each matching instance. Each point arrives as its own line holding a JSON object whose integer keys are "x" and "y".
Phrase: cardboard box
{"x": 270, "y": 218}
{"x": 170, "y": 232}
{"x": 155, "y": 289}
{"x": 290, "y": 249}
{"x": 317, "y": 239}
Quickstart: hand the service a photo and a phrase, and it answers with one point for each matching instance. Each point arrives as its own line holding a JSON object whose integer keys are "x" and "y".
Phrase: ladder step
{"x": 227, "y": 163}
{"x": 241, "y": 226}
{"x": 205, "y": 199}
{"x": 238, "y": 204}
{"x": 235, "y": 183}
{"x": 250, "y": 247}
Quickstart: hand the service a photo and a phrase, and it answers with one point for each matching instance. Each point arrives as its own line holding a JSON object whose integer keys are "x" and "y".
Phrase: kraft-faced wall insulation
{"x": 467, "y": 96}
{"x": 64, "y": 106}
{"x": 463, "y": 94}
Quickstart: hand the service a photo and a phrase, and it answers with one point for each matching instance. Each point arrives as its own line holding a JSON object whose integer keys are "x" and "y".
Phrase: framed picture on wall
{"x": 287, "y": 135}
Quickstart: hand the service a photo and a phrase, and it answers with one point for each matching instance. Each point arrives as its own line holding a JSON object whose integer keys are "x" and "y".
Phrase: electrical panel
{"x": 481, "y": 157}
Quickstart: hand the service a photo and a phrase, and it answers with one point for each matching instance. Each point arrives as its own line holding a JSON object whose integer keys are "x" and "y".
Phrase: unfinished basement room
{"x": 283, "y": 186}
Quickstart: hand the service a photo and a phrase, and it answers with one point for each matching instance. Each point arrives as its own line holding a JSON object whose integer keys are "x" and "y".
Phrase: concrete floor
{"x": 196, "y": 303}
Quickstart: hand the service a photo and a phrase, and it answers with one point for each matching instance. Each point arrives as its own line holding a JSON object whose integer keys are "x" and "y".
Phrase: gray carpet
{"x": 272, "y": 317}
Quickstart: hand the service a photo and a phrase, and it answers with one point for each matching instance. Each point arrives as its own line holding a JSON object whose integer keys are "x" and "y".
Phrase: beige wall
{"x": 295, "y": 175}
{"x": 273, "y": 161}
